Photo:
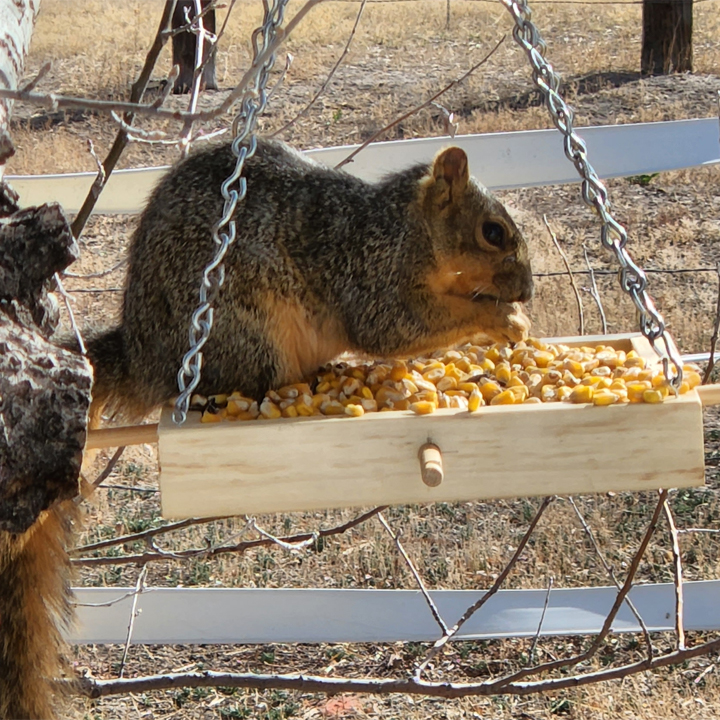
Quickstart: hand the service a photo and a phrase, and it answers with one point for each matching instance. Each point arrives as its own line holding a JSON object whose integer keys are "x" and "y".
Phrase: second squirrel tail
{"x": 34, "y": 606}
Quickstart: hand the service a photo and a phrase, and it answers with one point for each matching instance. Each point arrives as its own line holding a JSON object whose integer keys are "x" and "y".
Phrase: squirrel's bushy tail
{"x": 34, "y": 607}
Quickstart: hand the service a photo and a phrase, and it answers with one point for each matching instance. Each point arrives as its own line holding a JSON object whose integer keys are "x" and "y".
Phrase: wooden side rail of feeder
{"x": 298, "y": 464}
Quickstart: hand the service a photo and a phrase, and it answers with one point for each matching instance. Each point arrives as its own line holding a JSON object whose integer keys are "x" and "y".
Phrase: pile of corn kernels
{"x": 466, "y": 379}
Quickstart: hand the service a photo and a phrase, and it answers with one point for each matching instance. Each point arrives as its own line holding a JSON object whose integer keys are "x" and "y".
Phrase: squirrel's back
{"x": 323, "y": 263}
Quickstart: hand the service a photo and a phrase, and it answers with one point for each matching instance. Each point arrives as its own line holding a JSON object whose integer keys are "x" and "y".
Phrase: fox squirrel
{"x": 323, "y": 263}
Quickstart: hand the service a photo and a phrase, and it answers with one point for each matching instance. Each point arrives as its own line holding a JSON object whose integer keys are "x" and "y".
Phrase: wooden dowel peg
{"x": 431, "y": 467}
{"x": 120, "y": 436}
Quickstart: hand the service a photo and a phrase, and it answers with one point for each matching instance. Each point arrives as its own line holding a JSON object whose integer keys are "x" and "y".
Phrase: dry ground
{"x": 402, "y": 53}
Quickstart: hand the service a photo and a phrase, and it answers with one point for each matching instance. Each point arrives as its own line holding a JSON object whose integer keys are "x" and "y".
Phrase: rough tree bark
{"x": 184, "y": 46}
{"x": 666, "y": 37}
{"x": 17, "y": 19}
{"x": 44, "y": 389}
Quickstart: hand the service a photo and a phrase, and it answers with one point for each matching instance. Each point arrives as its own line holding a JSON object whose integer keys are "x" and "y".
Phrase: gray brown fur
{"x": 321, "y": 258}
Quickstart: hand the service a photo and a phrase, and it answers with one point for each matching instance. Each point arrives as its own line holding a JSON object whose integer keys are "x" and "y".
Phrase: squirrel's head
{"x": 479, "y": 252}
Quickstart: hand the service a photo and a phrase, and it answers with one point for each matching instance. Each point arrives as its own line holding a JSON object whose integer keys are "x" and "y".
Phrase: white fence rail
{"x": 500, "y": 160}
{"x": 209, "y": 615}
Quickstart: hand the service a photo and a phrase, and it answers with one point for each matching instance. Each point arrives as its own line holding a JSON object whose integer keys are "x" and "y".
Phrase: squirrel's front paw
{"x": 513, "y": 324}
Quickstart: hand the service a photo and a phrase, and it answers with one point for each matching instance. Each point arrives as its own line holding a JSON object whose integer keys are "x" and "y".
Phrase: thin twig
{"x": 139, "y": 587}
{"x": 613, "y": 577}
{"x": 144, "y": 535}
{"x": 284, "y": 544}
{"x": 121, "y": 139}
{"x": 430, "y": 603}
{"x": 531, "y": 654}
{"x": 114, "y": 601}
{"x": 440, "y": 644}
{"x": 406, "y": 115}
{"x": 594, "y": 291}
{"x": 71, "y": 314}
{"x": 242, "y": 547}
{"x": 678, "y": 572}
{"x": 714, "y": 338}
{"x": 93, "y": 688}
{"x": 330, "y": 76}
{"x": 607, "y": 625}
{"x": 566, "y": 262}
{"x": 44, "y": 70}
{"x": 102, "y": 273}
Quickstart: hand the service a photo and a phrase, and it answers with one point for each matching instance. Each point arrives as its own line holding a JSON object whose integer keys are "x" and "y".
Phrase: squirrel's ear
{"x": 452, "y": 166}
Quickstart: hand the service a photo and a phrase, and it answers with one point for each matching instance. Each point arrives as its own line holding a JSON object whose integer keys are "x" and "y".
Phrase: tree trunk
{"x": 185, "y": 46}
{"x": 667, "y": 37}
{"x": 17, "y": 20}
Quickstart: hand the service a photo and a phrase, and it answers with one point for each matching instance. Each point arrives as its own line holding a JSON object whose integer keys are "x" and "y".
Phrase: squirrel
{"x": 323, "y": 263}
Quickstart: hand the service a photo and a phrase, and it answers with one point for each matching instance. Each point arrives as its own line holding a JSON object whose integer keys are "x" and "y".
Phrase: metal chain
{"x": 613, "y": 235}
{"x": 243, "y": 146}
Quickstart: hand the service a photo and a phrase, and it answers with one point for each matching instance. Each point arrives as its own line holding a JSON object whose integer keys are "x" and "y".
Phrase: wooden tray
{"x": 501, "y": 451}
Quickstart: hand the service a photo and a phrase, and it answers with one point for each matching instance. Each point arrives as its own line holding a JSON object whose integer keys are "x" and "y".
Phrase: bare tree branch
{"x": 607, "y": 625}
{"x": 594, "y": 291}
{"x": 566, "y": 262}
{"x": 223, "y": 549}
{"x": 531, "y": 654}
{"x": 714, "y": 338}
{"x": 678, "y": 572}
{"x": 93, "y": 688}
{"x": 429, "y": 101}
{"x": 139, "y": 587}
{"x": 433, "y": 607}
{"x": 440, "y": 644}
{"x": 330, "y": 76}
{"x": 613, "y": 577}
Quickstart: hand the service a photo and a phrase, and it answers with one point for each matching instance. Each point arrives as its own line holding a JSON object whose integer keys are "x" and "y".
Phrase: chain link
{"x": 233, "y": 191}
{"x": 613, "y": 235}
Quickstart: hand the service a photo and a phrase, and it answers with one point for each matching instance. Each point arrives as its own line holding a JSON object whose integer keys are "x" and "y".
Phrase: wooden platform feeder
{"x": 396, "y": 458}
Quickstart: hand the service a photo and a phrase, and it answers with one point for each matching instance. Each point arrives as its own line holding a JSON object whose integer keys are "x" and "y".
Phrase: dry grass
{"x": 401, "y": 53}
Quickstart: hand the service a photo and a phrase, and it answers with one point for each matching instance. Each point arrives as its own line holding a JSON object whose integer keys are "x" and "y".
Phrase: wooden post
{"x": 185, "y": 44}
{"x": 666, "y": 37}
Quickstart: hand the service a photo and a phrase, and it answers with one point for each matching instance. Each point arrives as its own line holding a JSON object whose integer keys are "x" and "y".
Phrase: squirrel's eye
{"x": 494, "y": 233}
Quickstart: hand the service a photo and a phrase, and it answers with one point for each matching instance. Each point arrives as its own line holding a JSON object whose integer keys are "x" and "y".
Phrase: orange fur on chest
{"x": 303, "y": 342}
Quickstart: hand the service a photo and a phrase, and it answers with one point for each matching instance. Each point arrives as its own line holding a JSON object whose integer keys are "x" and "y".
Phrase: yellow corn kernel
{"x": 332, "y": 407}
{"x": 269, "y": 410}
{"x": 317, "y": 400}
{"x": 409, "y": 387}
{"x": 549, "y": 393}
{"x": 451, "y": 356}
{"x": 634, "y": 360}
{"x": 463, "y": 364}
{"x": 422, "y": 407}
{"x": 486, "y": 364}
{"x": 489, "y": 390}
{"x": 636, "y": 388}
{"x": 475, "y": 400}
{"x": 507, "y": 397}
{"x": 492, "y": 354}
{"x": 399, "y": 371}
{"x": 247, "y": 415}
{"x": 235, "y": 407}
{"x": 692, "y": 378}
{"x": 208, "y": 417}
{"x": 603, "y": 396}
{"x": 563, "y": 392}
{"x": 290, "y": 412}
{"x": 434, "y": 375}
{"x": 386, "y": 395}
{"x": 304, "y": 410}
{"x": 218, "y": 400}
{"x": 533, "y": 401}
{"x": 323, "y": 387}
{"x": 447, "y": 383}
{"x": 515, "y": 381}
{"x": 502, "y": 373}
{"x": 543, "y": 358}
{"x": 354, "y": 410}
{"x": 581, "y": 394}
{"x": 520, "y": 392}
{"x": 369, "y": 404}
{"x": 684, "y": 387}
{"x": 366, "y": 392}
{"x": 574, "y": 367}
{"x": 653, "y": 396}
{"x": 467, "y": 387}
